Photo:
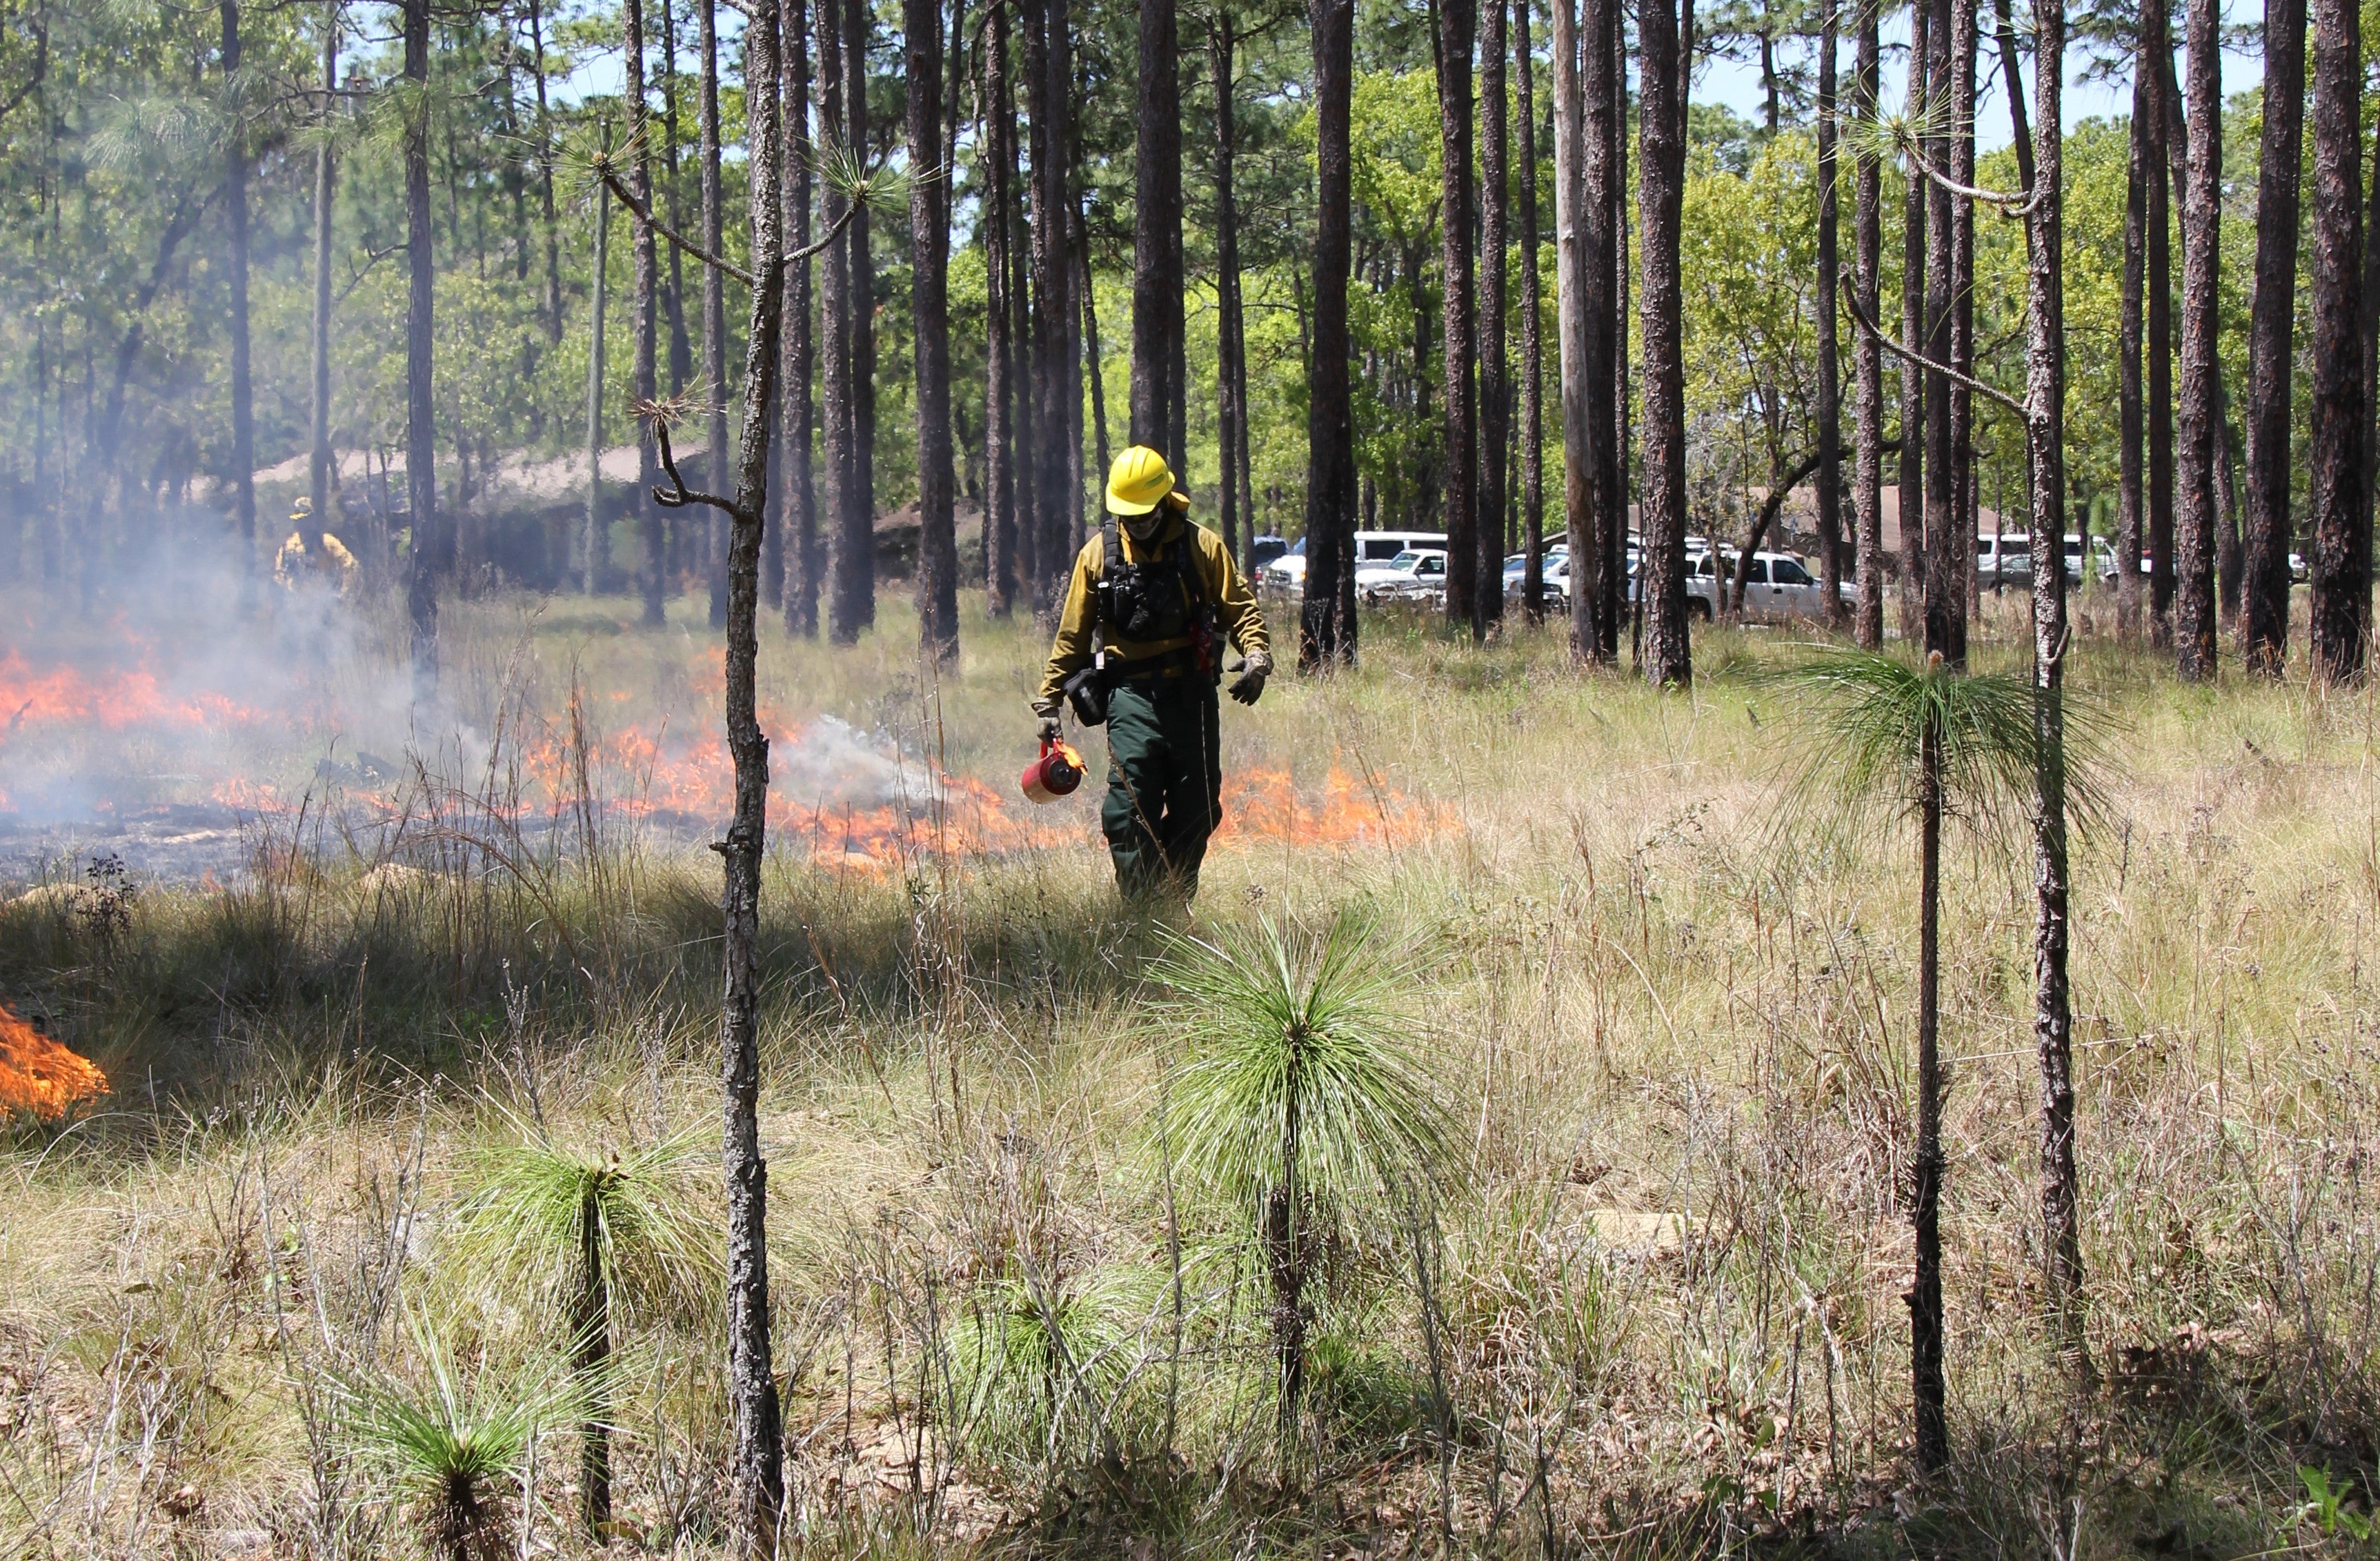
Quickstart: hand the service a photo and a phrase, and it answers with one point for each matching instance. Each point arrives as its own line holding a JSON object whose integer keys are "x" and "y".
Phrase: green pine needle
{"x": 1277, "y": 1015}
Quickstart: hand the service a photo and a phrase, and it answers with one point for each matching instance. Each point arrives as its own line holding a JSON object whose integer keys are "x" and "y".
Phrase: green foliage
{"x": 450, "y": 1445}
{"x": 1304, "y": 1034}
{"x": 652, "y": 1213}
{"x": 1035, "y": 1370}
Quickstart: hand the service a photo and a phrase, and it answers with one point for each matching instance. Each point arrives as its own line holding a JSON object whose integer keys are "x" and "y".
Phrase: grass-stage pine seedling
{"x": 453, "y": 1443}
{"x": 1305, "y": 1094}
{"x": 600, "y": 1234}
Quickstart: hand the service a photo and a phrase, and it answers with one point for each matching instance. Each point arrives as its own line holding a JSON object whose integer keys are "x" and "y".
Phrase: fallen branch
{"x": 1908, "y": 354}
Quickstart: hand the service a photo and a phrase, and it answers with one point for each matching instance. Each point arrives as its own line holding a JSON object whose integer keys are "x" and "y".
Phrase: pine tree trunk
{"x": 681, "y": 348}
{"x": 2156, "y": 48}
{"x": 595, "y": 551}
{"x": 1965, "y": 40}
{"x": 1924, "y": 1297}
{"x": 996, "y": 110}
{"x": 756, "y": 1476}
{"x": 1328, "y": 633}
{"x": 552, "y": 226}
{"x": 1155, "y": 231}
{"x": 2194, "y": 517}
{"x": 1458, "y": 475}
{"x": 858, "y": 24}
{"x": 834, "y": 325}
{"x": 243, "y": 399}
{"x": 714, "y": 302}
{"x": 2132, "y": 499}
{"x": 426, "y": 555}
{"x": 2339, "y": 611}
{"x": 1830, "y": 394}
{"x": 1944, "y": 579}
{"x": 1231, "y": 425}
{"x": 644, "y": 299}
{"x": 1664, "y": 27}
{"x": 1581, "y": 285}
{"x": 937, "y": 553}
{"x": 1603, "y": 86}
{"x": 1615, "y": 328}
{"x": 1910, "y": 477}
{"x": 804, "y": 558}
{"x": 1533, "y": 351}
{"x": 1868, "y": 357}
{"x": 590, "y": 1363}
{"x": 2053, "y": 1016}
{"x": 321, "y": 462}
{"x": 2264, "y": 630}
{"x": 1494, "y": 375}
{"x": 1048, "y": 65}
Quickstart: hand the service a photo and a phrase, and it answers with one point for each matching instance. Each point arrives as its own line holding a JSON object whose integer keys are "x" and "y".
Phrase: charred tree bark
{"x": 1533, "y": 351}
{"x": 858, "y": 24}
{"x": 1157, "y": 309}
{"x": 805, "y": 557}
{"x": 938, "y": 552}
{"x": 2053, "y": 1014}
{"x": 320, "y": 458}
{"x": 1868, "y": 357}
{"x": 1459, "y": 476}
{"x": 997, "y": 110}
{"x": 1663, "y": 27}
{"x": 2194, "y": 607}
{"x": 1603, "y": 78}
{"x": 1495, "y": 374}
{"x": 756, "y": 1476}
{"x": 545, "y": 179}
{"x": 1049, "y": 64}
{"x": 1831, "y": 405}
{"x": 1924, "y": 1298}
{"x": 2340, "y": 609}
{"x": 426, "y": 550}
{"x": 2132, "y": 497}
{"x": 2264, "y": 639}
{"x": 1965, "y": 40}
{"x": 1328, "y": 633}
{"x": 2154, "y": 56}
{"x": 851, "y": 598}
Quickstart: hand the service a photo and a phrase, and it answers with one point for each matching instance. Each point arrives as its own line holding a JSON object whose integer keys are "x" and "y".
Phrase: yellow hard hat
{"x": 1138, "y": 482}
{"x": 305, "y": 506}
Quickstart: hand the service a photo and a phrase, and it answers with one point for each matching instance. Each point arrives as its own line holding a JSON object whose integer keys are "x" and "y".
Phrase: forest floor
{"x": 1655, "y": 1307}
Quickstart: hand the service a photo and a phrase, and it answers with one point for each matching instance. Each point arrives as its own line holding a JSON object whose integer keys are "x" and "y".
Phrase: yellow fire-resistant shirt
{"x": 1220, "y": 583}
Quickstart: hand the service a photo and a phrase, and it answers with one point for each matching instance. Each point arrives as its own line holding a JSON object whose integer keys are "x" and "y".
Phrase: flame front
{"x": 38, "y": 1075}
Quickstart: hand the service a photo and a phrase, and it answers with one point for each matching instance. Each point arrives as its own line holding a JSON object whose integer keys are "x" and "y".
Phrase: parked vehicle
{"x": 1778, "y": 586}
{"x": 1287, "y": 573}
{"x": 1414, "y": 575}
{"x": 1516, "y": 570}
{"x": 2102, "y": 556}
{"x": 1264, "y": 549}
{"x": 2003, "y": 559}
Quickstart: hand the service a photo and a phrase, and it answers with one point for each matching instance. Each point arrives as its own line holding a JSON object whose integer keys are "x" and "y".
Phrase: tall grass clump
{"x": 604, "y": 1235}
{"x": 1304, "y": 1096}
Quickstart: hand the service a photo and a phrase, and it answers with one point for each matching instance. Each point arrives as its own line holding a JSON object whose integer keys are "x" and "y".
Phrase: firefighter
{"x": 336, "y": 562}
{"x": 1153, "y": 600}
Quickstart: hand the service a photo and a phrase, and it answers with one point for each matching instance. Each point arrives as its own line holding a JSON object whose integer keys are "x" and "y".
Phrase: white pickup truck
{"x": 1781, "y": 585}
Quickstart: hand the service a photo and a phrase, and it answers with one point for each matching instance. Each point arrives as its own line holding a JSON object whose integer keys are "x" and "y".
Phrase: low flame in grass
{"x": 1264, "y": 807}
{"x": 134, "y": 697}
{"x": 39, "y": 1077}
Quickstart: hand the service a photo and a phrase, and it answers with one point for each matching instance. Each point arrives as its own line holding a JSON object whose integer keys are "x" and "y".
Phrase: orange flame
{"x": 133, "y": 697}
{"x": 1264, "y": 807}
{"x": 38, "y": 1075}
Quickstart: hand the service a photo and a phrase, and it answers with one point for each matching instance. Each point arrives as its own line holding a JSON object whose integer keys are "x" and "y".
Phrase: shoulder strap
{"x": 1110, "y": 547}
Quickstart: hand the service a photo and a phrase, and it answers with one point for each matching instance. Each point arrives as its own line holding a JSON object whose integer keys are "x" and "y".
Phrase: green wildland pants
{"x": 1165, "y": 783}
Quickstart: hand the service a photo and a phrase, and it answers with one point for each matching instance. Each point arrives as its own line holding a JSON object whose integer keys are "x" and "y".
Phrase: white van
{"x": 1287, "y": 572}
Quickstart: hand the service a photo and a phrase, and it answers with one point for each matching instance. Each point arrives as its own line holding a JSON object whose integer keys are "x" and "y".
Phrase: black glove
{"x": 1249, "y": 685}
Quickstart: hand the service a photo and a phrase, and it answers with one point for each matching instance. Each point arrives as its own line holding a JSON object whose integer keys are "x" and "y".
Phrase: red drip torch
{"x": 1055, "y": 774}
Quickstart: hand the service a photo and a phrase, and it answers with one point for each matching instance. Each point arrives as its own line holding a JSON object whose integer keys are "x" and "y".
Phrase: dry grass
{"x": 1664, "y": 1317}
